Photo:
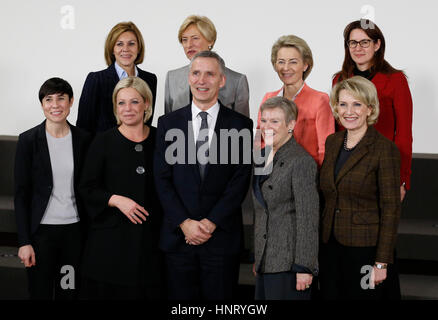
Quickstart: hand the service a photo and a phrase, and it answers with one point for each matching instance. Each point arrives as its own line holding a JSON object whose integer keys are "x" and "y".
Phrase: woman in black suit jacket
{"x": 122, "y": 259}
{"x": 124, "y": 50}
{"x": 49, "y": 215}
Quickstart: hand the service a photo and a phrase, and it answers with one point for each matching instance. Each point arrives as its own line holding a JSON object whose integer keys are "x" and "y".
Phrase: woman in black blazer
{"x": 48, "y": 212}
{"x": 121, "y": 258}
{"x": 124, "y": 50}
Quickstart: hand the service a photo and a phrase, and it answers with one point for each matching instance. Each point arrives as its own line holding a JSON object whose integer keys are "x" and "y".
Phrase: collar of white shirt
{"x": 281, "y": 93}
{"x": 121, "y": 73}
{"x": 211, "y": 119}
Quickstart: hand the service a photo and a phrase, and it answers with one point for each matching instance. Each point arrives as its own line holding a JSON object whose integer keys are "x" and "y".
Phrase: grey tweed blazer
{"x": 286, "y": 222}
{"x": 234, "y": 95}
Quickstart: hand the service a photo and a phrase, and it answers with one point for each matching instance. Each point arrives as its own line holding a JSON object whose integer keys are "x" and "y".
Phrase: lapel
{"x": 380, "y": 80}
{"x": 221, "y": 123}
{"x": 111, "y": 74}
{"x": 361, "y": 150}
{"x": 183, "y": 87}
{"x": 76, "y": 151}
{"x": 190, "y": 147}
{"x": 44, "y": 151}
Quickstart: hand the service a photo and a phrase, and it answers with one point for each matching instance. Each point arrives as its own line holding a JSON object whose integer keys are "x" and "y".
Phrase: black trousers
{"x": 345, "y": 273}
{"x": 201, "y": 276}
{"x": 279, "y": 286}
{"x": 58, "y": 251}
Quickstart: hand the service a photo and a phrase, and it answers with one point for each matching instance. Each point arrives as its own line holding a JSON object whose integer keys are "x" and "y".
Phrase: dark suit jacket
{"x": 34, "y": 180}
{"x": 363, "y": 201}
{"x": 220, "y": 195}
{"x": 95, "y": 112}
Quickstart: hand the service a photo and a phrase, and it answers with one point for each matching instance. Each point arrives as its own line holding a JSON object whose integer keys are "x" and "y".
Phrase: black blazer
{"x": 34, "y": 180}
{"x": 95, "y": 112}
{"x": 218, "y": 197}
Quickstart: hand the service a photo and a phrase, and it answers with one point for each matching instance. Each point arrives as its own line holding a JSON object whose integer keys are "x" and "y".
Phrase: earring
{"x": 290, "y": 130}
{"x": 210, "y": 47}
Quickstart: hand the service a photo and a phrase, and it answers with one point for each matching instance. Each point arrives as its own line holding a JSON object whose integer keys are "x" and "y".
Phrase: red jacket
{"x": 315, "y": 120}
{"x": 395, "y": 118}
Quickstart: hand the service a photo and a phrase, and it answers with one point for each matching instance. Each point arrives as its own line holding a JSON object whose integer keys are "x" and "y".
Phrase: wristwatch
{"x": 380, "y": 266}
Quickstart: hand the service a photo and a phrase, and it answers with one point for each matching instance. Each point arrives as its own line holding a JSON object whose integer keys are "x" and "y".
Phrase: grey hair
{"x": 210, "y": 54}
{"x": 288, "y": 107}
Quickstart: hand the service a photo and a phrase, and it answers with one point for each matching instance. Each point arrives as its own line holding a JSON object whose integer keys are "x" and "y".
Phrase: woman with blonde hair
{"x": 292, "y": 59}
{"x": 196, "y": 34}
{"x": 122, "y": 259}
{"x": 359, "y": 179}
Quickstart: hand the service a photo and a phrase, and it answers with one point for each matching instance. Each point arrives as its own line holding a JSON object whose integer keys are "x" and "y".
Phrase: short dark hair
{"x": 55, "y": 85}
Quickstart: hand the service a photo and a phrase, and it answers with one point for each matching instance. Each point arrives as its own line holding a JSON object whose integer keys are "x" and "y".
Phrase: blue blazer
{"x": 218, "y": 197}
{"x": 95, "y": 113}
{"x": 34, "y": 180}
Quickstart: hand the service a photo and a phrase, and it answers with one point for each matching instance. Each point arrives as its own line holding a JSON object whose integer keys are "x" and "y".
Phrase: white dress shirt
{"x": 211, "y": 120}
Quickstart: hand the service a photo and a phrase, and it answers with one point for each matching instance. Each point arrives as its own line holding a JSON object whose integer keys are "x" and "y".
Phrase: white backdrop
{"x": 43, "y": 39}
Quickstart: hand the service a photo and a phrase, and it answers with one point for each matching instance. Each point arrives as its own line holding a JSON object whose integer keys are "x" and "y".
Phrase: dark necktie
{"x": 200, "y": 141}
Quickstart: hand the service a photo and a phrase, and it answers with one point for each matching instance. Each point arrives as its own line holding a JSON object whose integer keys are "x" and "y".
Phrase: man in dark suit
{"x": 201, "y": 198}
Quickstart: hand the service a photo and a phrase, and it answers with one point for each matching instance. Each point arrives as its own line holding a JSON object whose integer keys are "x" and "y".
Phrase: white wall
{"x": 34, "y": 47}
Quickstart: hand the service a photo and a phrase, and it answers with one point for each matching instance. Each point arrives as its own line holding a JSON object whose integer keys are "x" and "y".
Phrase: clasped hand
{"x": 197, "y": 232}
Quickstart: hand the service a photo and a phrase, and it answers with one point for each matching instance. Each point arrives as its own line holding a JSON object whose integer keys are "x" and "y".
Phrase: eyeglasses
{"x": 365, "y": 43}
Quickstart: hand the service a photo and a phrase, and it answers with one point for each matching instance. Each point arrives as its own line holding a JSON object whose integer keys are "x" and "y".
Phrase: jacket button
{"x": 337, "y": 211}
{"x": 49, "y": 187}
{"x": 270, "y": 187}
{"x": 264, "y": 236}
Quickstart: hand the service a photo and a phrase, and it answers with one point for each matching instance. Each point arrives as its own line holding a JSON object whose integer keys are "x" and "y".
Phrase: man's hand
{"x": 209, "y": 225}
{"x": 195, "y": 232}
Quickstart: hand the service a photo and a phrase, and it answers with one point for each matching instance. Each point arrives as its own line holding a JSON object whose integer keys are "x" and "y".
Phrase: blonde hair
{"x": 115, "y": 33}
{"x": 291, "y": 41}
{"x": 204, "y": 25}
{"x": 142, "y": 88}
{"x": 363, "y": 90}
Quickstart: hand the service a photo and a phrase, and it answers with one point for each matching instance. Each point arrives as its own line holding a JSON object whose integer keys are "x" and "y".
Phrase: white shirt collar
{"x": 212, "y": 111}
{"x": 121, "y": 73}
{"x": 280, "y": 94}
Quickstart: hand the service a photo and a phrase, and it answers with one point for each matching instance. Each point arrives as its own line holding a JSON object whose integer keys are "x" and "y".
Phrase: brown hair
{"x": 379, "y": 64}
{"x": 115, "y": 33}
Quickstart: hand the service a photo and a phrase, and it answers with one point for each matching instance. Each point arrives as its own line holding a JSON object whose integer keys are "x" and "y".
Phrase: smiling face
{"x": 273, "y": 127}
{"x": 352, "y": 112}
{"x": 130, "y": 107}
{"x": 126, "y": 49}
{"x": 363, "y": 57}
{"x": 193, "y": 41}
{"x": 290, "y": 66}
{"x": 205, "y": 79}
{"x": 56, "y": 107}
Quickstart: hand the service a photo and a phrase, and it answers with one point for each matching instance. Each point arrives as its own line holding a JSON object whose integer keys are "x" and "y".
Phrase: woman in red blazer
{"x": 292, "y": 59}
{"x": 364, "y": 56}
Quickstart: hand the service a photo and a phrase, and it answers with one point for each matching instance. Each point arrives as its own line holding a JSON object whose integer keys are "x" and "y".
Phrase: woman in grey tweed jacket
{"x": 286, "y": 207}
